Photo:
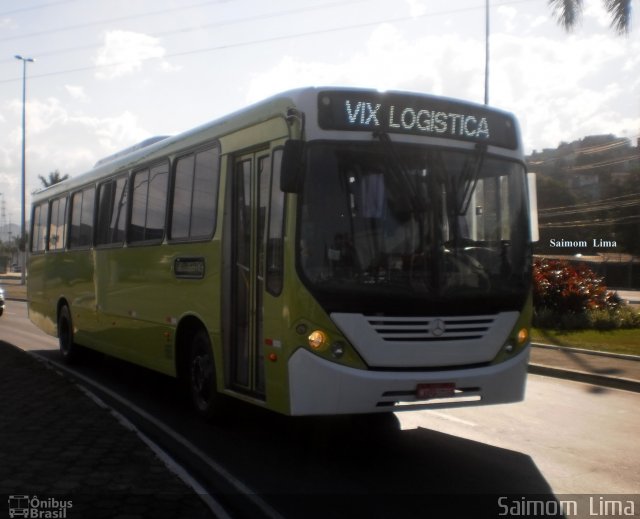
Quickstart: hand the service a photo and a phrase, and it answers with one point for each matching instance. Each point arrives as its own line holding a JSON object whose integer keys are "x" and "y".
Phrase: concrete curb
{"x": 587, "y": 378}
{"x": 17, "y": 299}
{"x": 587, "y": 352}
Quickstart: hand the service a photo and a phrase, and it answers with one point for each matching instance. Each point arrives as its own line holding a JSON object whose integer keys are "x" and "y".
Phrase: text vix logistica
{"x": 427, "y": 121}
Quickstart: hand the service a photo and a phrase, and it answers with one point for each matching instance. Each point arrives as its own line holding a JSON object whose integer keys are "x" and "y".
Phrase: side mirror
{"x": 291, "y": 167}
{"x": 533, "y": 207}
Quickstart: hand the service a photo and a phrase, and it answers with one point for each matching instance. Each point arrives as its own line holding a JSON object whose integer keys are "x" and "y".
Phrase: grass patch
{"x": 11, "y": 291}
{"x": 626, "y": 341}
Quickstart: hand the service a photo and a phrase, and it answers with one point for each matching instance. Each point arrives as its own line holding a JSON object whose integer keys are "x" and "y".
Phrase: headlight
{"x": 523, "y": 335}
{"x": 318, "y": 340}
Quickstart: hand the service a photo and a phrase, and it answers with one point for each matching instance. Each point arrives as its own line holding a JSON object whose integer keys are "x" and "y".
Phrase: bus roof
{"x": 327, "y": 110}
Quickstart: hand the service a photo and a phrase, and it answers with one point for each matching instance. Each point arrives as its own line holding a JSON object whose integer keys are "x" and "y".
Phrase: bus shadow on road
{"x": 338, "y": 466}
{"x": 332, "y": 463}
{"x": 323, "y": 465}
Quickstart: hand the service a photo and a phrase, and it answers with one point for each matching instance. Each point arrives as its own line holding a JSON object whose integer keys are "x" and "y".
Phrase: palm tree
{"x": 54, "y": 178}
{"x": 568, "y": 13}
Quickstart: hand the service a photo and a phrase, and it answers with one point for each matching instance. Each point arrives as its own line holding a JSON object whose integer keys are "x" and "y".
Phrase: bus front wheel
{"x": 206, "y": 400}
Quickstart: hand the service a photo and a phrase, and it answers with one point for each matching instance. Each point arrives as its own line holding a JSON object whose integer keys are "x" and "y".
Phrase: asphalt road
{"x": 566, "y": 438}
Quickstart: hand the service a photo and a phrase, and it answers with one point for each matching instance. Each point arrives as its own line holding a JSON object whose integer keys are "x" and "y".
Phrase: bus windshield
{"x": 386, "y": 219}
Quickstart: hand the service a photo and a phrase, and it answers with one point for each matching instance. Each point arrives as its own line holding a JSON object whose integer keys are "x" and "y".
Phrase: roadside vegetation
{"x": 625, "y": 341}
{"x": 567, "y": 296}
{"x": 573, "y": 307}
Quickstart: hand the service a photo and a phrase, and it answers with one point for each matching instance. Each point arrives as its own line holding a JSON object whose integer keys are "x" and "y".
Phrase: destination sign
{"x": 416, "y": 115}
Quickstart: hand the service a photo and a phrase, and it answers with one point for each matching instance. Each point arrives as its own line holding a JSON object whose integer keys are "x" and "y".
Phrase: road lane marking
{"x": 238, "y": 485}
{"x": 452, "y": 418}
{"x": 174, "y": 466}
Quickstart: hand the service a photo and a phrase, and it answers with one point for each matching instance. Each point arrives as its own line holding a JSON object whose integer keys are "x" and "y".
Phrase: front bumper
{"x": 320, "y": 387}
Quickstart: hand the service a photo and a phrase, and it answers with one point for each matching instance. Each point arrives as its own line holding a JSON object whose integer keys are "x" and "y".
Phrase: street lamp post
{"x": 486, "y": 51}
{"x": 23, "y": 262}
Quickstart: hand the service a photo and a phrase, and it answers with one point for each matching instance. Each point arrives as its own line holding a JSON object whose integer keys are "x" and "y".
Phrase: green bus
{"x": 325, "y": 251}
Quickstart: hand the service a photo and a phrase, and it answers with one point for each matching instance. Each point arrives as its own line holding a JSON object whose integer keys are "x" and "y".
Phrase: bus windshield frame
{"x": 406, "y": 228}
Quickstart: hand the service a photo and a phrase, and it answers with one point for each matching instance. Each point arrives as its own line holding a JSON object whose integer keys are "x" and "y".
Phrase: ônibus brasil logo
{"x": 34, "y": 507}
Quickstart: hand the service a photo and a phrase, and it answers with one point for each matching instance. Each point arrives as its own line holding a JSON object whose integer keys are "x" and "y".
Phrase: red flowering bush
{"x": 563, "y": 287}
{"x": 570, "y": 296}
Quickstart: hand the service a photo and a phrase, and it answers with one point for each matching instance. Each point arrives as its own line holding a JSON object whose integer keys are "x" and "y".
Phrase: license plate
{"x": 435, "y": 390}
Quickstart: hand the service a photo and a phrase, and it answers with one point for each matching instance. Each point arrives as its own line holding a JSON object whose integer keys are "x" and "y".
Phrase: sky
{"x": 111, "y": 73}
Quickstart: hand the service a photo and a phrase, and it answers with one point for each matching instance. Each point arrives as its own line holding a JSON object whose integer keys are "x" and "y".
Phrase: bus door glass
{"x": 250, "y": 194}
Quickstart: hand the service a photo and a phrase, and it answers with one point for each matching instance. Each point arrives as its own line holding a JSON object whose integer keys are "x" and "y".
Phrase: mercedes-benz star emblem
{"x": 438, "y": 327}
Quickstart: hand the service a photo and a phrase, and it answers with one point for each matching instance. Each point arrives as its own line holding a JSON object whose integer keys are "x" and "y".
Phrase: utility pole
{"x": 3, "y": 218}
{"x": 486, "y": 53}
{"x": 23, "y": 235}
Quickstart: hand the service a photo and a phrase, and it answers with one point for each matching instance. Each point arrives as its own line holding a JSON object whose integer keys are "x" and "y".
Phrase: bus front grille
{"x": 426, "y": 341}
{"x": 430, "y": 329}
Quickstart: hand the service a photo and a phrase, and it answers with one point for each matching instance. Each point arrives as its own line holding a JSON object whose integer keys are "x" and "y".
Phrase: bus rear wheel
{"x": 68, "y": 349}
{"x": 207, "y": 402}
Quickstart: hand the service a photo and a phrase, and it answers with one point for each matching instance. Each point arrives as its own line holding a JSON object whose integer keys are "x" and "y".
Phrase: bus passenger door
{"x": 249, "y": 207}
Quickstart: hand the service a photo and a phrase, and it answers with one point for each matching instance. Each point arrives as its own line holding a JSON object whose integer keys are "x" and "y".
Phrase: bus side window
{"x": 149, "y": 204}
{"x": 57, "y": 224}
{"x": 81, "y": 231}
{"x": 112, "y": 204}
{"x": 105, "y": 195}
{"x": 195, "y": 195}
{"x": 39, "y": 233}
{"x": 182, "y": 198}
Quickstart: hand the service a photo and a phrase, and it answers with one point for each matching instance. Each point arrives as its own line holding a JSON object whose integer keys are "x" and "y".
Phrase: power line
{"x": 207, "y": 2}
{"x": 589, "y": 204}
{"x": 594, "y": 208}
{"x": 259, "y": 17}
{"x": 612, "y": 204}
{"x": 616, "y": 207}
{"x": 36, "y": 7}
{"x": 623, "y": 220}
{"x": 604, "y": 147}
{"x": 610, "y": 162}
{"x": 597, "y": 148}
{"x": 239, "y": 44}
{"x": 107, "y": 21}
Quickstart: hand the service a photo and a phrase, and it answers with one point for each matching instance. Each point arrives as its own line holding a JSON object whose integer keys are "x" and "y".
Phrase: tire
{"x": 68, "y": 349}
{"x": 207, "y": 402}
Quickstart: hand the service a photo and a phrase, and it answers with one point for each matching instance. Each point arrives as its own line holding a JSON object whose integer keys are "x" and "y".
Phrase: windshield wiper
{"x": 469, "y": 179}
{"x": 405, "y": 190}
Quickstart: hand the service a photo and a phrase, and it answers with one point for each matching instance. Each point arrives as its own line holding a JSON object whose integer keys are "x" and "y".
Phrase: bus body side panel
{"x": 41, "y": 310}
{"x": 55, "y": 278}
{"x": 141, "y": 301}
{"x": 128, "y": 281}
{"x": 69, "y": 278}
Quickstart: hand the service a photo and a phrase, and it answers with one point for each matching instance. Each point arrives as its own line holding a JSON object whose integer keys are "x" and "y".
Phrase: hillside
{"x": 589, "y": 196}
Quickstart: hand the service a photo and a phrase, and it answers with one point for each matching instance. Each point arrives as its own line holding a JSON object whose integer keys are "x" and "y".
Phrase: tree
{"x": 568, "y": 13}
{"x": 54, "y": 178}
